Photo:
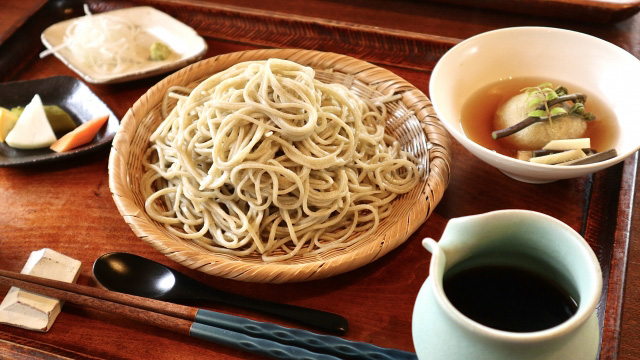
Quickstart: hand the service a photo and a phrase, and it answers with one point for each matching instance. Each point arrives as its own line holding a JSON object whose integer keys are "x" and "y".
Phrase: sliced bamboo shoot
{"x": 568, "y": 144}
{"x": 594, "y": 158}
{"x": 559, "y": 157}
{"x": 524, "y": 155}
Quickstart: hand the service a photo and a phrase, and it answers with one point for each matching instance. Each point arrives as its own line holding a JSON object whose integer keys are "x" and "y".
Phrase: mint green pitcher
{"x": 531, "y": 241}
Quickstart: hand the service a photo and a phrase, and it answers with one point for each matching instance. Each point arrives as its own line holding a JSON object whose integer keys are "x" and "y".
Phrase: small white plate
{"x": 187, "y": 46}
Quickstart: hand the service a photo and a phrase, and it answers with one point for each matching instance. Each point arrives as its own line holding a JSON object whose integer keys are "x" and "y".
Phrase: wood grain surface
{"x": 596, "y": 11}
{"x": 68, "y": 206}
{"x": 14, "y": 14}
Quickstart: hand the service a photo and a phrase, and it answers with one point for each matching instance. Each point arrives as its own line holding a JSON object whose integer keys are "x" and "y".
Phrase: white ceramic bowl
{"x": 607, "y": 71}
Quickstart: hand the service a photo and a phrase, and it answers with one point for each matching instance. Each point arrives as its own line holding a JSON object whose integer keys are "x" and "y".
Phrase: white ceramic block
{"x": 32, "y": 311}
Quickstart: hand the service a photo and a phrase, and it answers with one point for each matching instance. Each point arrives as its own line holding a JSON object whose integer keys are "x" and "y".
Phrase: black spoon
{"x": 135, "y": 275}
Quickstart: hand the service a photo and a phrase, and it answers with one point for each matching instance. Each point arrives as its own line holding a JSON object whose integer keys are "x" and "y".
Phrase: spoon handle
{"x": 326, "y": 344}
{"x": 254, "y": 345}
{"x": 318, "y": 319}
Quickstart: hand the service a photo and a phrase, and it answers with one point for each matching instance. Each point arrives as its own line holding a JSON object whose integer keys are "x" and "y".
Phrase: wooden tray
{"x": 591, "y": 11}
{"x": 69, "y": 208}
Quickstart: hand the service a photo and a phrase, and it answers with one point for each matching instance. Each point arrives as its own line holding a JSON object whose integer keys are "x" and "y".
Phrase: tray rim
{"x": 598, "y": 11}
{"x": 10, "y": 343}
{"x": 419, "y": 51}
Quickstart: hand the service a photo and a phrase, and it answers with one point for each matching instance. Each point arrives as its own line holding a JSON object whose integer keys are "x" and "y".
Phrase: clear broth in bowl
{"x": 479, "y": 110}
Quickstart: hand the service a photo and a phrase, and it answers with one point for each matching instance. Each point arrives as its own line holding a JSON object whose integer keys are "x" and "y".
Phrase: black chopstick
{"x": 258, "y": 337}
{"x": 220, "y": 336}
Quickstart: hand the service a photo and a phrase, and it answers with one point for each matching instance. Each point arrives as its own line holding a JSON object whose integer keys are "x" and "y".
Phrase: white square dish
{"x": 186, "y": 45}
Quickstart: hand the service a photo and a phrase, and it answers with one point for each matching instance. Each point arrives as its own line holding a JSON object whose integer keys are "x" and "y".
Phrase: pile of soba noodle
{"x": 264, "y": 159}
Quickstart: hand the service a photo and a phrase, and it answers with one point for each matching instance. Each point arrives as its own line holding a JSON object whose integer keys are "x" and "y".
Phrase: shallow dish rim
{"x": 37, "y": 157}
{"x": 160, "y": 68}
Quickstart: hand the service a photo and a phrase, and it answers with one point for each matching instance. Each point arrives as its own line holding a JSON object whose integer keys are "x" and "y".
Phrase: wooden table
{"x": 68, "y": 206}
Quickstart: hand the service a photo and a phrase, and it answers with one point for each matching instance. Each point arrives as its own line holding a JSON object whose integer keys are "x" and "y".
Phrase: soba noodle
{"x": 263, "y": 159}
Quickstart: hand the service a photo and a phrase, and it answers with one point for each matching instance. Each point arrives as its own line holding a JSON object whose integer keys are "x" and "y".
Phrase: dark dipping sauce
{"x": 508, "y": 298}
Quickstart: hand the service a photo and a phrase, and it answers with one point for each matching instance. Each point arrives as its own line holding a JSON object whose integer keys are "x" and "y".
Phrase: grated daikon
{"x": 107, "y": 44}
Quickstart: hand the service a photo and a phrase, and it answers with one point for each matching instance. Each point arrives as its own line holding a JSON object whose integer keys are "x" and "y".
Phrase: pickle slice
{"x": 59, "y": 119}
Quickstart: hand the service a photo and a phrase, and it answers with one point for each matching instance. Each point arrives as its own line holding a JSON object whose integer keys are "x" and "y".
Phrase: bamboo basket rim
{"x": 427, "y": 195}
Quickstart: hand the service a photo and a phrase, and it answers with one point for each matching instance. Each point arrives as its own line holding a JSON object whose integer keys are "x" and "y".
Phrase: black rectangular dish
{"x": 73, "y": 96}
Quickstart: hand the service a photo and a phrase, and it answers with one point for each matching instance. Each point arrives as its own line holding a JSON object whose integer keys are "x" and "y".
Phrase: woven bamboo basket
{"x": 411, "y": 119}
